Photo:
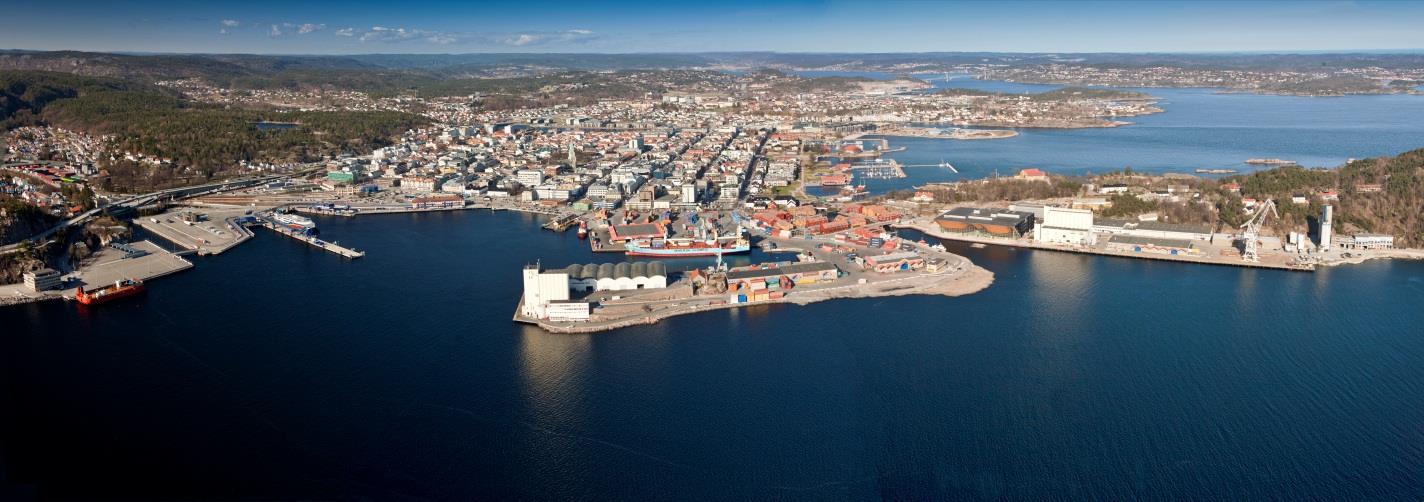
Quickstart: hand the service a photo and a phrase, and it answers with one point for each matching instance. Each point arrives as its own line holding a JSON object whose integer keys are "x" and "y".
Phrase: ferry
{"x": 687, "y": 247}
{"x": 120, "y": 289}
{"x": 295, "y": 222}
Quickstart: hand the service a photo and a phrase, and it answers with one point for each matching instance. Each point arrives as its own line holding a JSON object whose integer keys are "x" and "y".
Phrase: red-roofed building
{"x": 1032, "y": 174}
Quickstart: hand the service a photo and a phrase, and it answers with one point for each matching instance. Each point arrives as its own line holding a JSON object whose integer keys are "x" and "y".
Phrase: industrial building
{"x": 993, "y": 222}
{"x": 1135, "y": 244}
{"x": 1369, "y": 241}
{"x": 548, "y": 293}
{"x": 1065, "y": 226}
{"x": 797, "y": 273}
{"x": 1153, "y": 229}
{"x": 1327, "y": 221}
{"x": 895, "y": 262}
{"x": 42, "y": 280}
{"x": 617, "y": 276}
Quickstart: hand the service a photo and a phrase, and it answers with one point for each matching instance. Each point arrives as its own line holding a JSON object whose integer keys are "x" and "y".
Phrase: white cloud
{"x": 231, "y": 23}
{"x": 386, "y": 34}
{"x": 522, "y": 39}
{"x": 306, "y": 28}
{"x": 566, "y": 36}
{"x": 274, "y": 32}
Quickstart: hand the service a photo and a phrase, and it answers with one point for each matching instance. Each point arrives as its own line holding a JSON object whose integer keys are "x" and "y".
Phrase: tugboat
{"x": 583, "y": 230}
{"x": 120, "y": 289}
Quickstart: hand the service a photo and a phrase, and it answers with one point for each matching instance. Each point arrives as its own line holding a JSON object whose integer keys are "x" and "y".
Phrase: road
{"x": 148, "y": 198}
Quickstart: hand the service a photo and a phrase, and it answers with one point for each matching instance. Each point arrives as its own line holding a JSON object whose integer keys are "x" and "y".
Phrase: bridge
{"x": 136, "y": 201}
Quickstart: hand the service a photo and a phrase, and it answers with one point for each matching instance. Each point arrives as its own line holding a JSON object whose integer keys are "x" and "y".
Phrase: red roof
{"x": 1032, "y": 172}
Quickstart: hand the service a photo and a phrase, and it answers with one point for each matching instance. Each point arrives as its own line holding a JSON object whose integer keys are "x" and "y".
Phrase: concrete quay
{"x": 932, "y": 230}
{"x": 619, "y": 309}
{"x": 333, "y": 247}
{"x": 105, "y": 267}
{"x": 205, "y": 237}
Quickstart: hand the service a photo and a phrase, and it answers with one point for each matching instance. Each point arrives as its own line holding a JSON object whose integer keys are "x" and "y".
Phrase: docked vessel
{"x": 583, "y": 230}
{"x": 120, "y": 289}
{"x": 295, "y": 222}
{"x": 687, "y": 247}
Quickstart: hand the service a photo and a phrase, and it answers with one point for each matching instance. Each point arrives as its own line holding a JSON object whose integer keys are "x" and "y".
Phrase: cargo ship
{"x": 295, "y": 222}
{"x": 120, "y": 289}
{"x": 687, "y": 247}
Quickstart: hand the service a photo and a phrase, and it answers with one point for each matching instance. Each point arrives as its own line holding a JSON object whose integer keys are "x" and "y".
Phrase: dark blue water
{"x": 277, "y": 371}
{"x": 1200, "y": 128}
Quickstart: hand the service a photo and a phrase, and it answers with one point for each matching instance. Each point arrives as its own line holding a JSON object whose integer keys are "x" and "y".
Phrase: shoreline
{"x": 972, "y": 279}
{"x": 956, "y": 275}
{"x": 928, "y": 229}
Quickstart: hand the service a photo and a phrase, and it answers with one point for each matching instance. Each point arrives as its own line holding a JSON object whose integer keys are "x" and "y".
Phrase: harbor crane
{"x": 1253, "y": 230}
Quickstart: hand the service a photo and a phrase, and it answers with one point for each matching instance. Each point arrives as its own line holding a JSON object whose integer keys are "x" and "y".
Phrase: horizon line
{"x": 1391, "y": 51}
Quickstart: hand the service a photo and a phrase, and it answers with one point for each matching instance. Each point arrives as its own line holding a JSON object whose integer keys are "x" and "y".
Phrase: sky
{"x": 446, "y": 27}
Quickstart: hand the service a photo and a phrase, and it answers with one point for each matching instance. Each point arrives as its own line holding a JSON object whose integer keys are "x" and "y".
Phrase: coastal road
{"x": 135, "y": 201}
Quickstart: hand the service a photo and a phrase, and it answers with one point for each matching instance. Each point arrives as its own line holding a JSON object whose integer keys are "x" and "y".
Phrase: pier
{"x": 879, "y": 169}
{"x": 344, "y": 252}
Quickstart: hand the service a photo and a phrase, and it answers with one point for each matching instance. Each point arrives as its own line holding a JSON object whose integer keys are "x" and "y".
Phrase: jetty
{"x": 878, "y": 169}
{"x": 333, "y": 247}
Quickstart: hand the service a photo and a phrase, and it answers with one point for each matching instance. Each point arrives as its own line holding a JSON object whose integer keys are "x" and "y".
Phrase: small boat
{"x": 978, "y": 245}
{"x": 583, "y": 230}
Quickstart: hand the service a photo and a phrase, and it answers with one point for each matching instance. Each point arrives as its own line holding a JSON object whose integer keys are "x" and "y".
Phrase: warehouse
{"x": 992, "y": 222}
{"x": 547, "y": 292}
{"x": 1153, "y": 229}
{"x": 894, "y": 262}
{"x": 1133, "y": 244}
{"x": 796, "y": 273}
{"x": 616, "y": 276}
{"x": 1369, "y": 241}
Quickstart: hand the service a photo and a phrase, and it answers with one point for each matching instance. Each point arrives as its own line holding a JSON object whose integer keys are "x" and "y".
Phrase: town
{"x": 711, "y": 165}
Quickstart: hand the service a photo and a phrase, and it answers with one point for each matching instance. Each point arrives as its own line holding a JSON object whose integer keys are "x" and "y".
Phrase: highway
{"x": 148, "y": 198}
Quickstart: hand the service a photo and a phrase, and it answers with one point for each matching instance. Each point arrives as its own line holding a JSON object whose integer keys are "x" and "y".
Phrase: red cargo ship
{"x": 120, "y": 289}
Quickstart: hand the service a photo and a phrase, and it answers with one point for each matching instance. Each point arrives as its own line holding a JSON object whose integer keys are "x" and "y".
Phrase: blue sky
{"x": 412, "y": 26}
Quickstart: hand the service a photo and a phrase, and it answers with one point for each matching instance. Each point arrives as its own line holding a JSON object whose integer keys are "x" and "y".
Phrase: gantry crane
{"x": 1253, "y": 229}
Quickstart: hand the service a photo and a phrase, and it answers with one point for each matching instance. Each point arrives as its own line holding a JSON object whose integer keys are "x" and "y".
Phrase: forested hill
{"x": 1397, "y": 209}
{"x": 203, "y": 141}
